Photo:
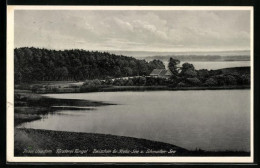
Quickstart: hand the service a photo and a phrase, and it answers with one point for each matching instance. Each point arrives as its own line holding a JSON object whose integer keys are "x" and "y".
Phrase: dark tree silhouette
{"x": 188, "y": 70}
{"x": 173, "y": 66}
{"x": 34, "y": 64}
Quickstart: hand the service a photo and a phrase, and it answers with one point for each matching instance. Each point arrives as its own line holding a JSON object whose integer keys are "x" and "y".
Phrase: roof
{"x": 160, "y": 72}
{"x": 156, "y": 71}
{"x": 165, "y": 73}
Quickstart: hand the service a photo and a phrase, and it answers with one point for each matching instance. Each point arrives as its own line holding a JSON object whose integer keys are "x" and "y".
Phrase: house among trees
{"x": 161, "y": 73}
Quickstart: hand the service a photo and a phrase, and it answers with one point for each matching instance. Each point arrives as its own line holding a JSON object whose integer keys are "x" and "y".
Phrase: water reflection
{"x": 209, "y": 120}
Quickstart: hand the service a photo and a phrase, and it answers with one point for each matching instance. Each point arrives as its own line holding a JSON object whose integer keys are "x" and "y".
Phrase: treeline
{"x": 35, "y": 64}
{"x": 187, "y": 76}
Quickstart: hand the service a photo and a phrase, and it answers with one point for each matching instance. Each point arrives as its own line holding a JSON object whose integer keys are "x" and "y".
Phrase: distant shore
{"x": 32, "y": 142}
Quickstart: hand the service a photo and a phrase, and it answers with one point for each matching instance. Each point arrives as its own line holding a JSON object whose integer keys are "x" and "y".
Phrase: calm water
{"x": 215, "y": 65}
{"x": 210, "y": 120}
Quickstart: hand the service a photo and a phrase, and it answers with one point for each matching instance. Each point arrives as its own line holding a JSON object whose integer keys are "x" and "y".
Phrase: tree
{"x": 203, "y": 74}
{"x": 188, "y": 70}
{"x": 156, "y": 64}
{"x": 127, "y": 71}
{"x": 187, "y": 66}
{"x": 173, "y": 66}
{"x": 143, "y": 67}
{"x": 117, "y": 71}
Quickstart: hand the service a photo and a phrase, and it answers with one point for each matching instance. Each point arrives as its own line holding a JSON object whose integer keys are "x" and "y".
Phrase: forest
{"x": 36, "y": 64}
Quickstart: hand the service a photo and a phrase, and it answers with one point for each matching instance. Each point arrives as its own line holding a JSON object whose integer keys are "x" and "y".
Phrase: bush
{"x": 108, "y": 82}
{"x": 54, "y": 89}
{"x": 211, "y": 82}
{"x": 129, "y": 82}
{"x": 173, "y": 82}
{"x": 203, "y": 74}
{"x": 245, "y": 79}
{"x": 189, "y": 73}
{"x": 71, "y": 86}
{"x": 91, "y": 85}
{"x": 230, "y": 80}
{"x": 34, "y": 88}
{"x": 139, "y": 81}
{"x": 151, "y": 81}
{"x": 182, "y": 84}
{"x": 215, "y": 72}
{"x": 193, "y": 81}
{"x": 223, "y": 80}
{"x": 220, "y": 79}
{"x": 119, "y": 82}
{"x": 142, "y": 81}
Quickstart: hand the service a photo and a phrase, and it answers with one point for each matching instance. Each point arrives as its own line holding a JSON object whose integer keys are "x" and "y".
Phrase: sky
{"x": 152, "y": 30}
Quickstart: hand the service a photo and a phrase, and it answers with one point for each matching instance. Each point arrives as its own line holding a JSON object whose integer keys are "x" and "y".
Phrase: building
{"x": 161, "y": 73}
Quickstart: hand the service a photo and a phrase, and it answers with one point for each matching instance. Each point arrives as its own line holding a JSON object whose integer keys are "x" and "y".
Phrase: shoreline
{"x": 37, "y": 142}
{"x": 145, "y": 88}
{"x": 160, "y": 88}
{"x": 31, "y": 106}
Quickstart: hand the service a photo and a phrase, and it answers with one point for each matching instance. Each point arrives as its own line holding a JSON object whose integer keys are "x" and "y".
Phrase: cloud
{"x": 133, "y": 30}
{"x": 124, "y": 25}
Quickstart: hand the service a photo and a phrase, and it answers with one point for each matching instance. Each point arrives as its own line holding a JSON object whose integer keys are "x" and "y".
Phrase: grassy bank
{"x": 28, "y": 141}
{"x": 29, "y": 106}
{"x": 31, "y": 142}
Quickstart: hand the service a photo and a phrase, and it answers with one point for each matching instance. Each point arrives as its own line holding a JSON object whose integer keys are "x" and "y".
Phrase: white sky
{"x": 166, "y": 31}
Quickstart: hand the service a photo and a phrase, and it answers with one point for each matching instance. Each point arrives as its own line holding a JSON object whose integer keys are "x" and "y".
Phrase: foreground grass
{"x": 31, "y": 142}
{"x": 28, "y": 141}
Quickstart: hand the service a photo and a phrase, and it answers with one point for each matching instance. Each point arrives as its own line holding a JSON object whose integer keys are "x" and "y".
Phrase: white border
{"x": 10, "y": 91}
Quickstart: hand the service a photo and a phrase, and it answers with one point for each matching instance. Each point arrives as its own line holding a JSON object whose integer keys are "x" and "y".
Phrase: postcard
{"x": 117, "y": 84}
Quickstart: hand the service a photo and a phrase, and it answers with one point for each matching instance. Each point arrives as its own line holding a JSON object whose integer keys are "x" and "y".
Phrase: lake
{"x": 209, "y": 120}
{"x": 214, "y": 65}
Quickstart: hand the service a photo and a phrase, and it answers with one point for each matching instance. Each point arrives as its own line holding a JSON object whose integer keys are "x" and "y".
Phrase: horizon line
{"x": 227, "y": 50}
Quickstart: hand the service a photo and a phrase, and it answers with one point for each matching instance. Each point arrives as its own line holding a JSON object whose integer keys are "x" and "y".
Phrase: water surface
{"x": 214, "y": 64}
{"x": 209, "y": 120}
